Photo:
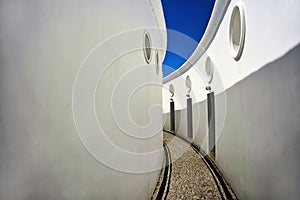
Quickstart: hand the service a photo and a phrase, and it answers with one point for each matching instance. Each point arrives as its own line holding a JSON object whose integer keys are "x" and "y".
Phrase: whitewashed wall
{"x": 257, "y": 102}
{"x": 258, "y": 149}
{"x": 270, "y": 33}
{"x": 43, "y": 44}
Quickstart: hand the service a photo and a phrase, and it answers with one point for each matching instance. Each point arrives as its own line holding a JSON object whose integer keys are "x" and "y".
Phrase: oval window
{"x": 147, "y": 47}
{"x": 188, "y": 83}
{"x": 172, "y": 90}
{"x": 209, "y": 70}
{"x": 237, "y": 32}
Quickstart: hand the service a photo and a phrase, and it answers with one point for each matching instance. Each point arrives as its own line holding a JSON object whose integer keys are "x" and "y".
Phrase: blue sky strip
{"x": 186, "y": 22}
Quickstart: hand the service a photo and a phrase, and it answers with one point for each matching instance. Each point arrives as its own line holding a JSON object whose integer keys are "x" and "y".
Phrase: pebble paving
{"x": 190, "y": 177}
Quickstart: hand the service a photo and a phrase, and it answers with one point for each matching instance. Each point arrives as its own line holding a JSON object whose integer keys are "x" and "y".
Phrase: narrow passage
{"x": 189, "y": 174}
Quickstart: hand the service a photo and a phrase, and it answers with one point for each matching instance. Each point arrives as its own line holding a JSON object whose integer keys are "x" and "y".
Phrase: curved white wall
{"x": 258, "y": 149}
{"x": 257, "y": 100}
{"x": 43, "y": 45}
{"x": 270, "y": 33}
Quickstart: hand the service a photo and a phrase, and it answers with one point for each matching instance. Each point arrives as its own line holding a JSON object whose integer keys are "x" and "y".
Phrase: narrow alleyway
{"x": 191, "y": 174}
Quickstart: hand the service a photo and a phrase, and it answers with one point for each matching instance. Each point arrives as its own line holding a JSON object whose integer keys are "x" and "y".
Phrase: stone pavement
{"x": 190, "y": 175}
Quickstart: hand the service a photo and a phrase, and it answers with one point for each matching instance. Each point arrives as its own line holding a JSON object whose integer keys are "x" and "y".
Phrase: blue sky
{"x": 190, "y": 18}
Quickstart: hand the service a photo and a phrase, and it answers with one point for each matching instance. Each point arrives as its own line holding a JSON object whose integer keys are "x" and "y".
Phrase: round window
{"x": 237, "y": 32}
{"x": 172, "y": 90}
{"x": 209, "y": 70}
{"x": 188, "y": 83}
{"x": 147, "y": 47}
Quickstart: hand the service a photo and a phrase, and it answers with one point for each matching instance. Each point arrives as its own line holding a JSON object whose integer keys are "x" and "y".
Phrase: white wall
{"x": 272, "y": 29}
{"x": 44, "y": 44}
{"x": 257, "y": 104}
{"x": 258, "y": 149}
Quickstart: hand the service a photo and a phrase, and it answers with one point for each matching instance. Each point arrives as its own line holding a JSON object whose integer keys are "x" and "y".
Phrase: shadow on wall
{"x": 258, "y": 148}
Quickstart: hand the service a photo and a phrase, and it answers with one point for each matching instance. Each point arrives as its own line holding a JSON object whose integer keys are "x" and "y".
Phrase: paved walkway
{"x": 190, "y": 175}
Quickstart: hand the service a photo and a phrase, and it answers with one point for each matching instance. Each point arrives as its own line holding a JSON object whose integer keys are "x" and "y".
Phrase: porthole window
{"x": 157, "y": 66}
{"x": 172, "y": 90}
{"x": 209, "y": 70}
{"x": 237, "y": 32}
{"x": 188, "y": 83}
{"x": 147, "y": 46}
